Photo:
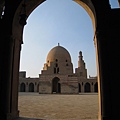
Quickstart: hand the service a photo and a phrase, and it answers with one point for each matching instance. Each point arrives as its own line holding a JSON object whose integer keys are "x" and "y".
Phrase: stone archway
{"x": 56, "y": 86}
{"x": 30, "y": 6}
{"x": 106, "y": 40}
{"x": 87, "y": 87}
{"x": 31, "y": 87}
{"x": 13, "y": 42}
{"x": 12, "y": 46}
{"x": 22, "y": 87}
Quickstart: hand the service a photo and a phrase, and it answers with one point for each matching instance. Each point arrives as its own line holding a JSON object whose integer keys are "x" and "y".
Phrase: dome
{"x": 59, "y": 54}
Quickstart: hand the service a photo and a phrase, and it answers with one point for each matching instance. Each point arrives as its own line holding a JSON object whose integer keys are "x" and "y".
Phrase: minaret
{"x": 81, "y": 61}
{"x": 81, "y": 71}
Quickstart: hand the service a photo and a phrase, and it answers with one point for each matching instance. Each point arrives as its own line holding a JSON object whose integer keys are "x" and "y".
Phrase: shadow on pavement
{"x": 24, "y": 118}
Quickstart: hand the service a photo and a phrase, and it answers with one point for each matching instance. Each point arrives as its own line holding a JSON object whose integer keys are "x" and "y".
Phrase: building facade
{"x": 57, "y": 76}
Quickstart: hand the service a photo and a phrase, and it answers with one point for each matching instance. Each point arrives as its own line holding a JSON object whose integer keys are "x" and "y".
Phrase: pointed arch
{"x": 56, "y": 86}
{"x": 31, "y": 87}
{"x": 87, "y": 87}
{"x": 22, "y": 87}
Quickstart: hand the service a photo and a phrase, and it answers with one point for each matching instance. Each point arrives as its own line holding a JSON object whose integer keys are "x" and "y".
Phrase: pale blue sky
{"x": 53, "y": 22}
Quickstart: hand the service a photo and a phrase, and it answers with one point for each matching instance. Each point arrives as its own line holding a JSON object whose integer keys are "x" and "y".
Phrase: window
{"x": 57, "y": 70}
{"x": 56, "y": 65}
{"x": 66, "y": 64}
{"x": 54, "y": 70}
{"x": 56, "y": 60}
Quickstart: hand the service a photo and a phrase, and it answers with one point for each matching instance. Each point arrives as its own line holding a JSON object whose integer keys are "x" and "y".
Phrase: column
{"x": 82, "y": 87}
{"x": 15, "y": 78}
{"x": 92, "y": 87}
{"x": 6, "y": 53}
{"x": 108, "y": 61}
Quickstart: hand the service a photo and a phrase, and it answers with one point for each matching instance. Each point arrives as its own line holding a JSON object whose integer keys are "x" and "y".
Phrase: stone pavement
{"x": 34, "y": 106}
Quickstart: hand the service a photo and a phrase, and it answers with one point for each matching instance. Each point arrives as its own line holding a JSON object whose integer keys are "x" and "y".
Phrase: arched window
{"x": 57, "y": 70}
{"x": 54, "y": 70}
{"x": 56, "y": 60}
{"x": 56, "y": 65}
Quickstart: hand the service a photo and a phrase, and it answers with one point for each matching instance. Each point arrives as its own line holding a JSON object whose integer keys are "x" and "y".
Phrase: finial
{"x": 80, "y": 53}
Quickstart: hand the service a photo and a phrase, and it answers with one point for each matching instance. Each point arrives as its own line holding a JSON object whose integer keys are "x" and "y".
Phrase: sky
{"x": 58, "y": 21}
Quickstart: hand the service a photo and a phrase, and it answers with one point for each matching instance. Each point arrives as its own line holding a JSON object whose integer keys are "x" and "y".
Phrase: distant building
{"x": 57, "y": 76}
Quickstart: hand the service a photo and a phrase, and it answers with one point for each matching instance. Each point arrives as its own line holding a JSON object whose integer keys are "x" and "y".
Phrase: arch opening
{"x": 56, "y": 87}
{"x": 22, "y": 87}
{"x": 31, "y": 87}
{"x": 87, "y": 87}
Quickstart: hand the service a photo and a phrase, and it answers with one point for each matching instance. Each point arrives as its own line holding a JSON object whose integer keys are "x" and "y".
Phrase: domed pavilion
{"x": 57, "y": 75}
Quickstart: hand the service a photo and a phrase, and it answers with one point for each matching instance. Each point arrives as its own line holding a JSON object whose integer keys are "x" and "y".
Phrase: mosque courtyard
{"x": 35, "y": 106}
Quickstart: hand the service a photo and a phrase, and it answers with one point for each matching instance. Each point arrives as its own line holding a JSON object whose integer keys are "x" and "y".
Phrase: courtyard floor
{"x": 34, "y": 106}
